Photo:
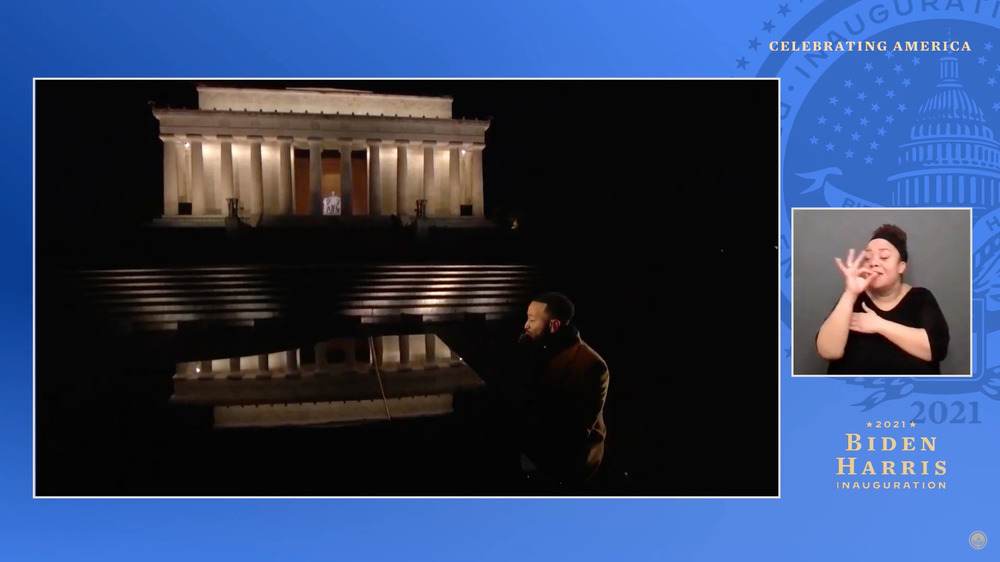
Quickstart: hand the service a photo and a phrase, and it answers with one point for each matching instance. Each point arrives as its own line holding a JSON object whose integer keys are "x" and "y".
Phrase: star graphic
{"x": 813, "y": 140}
{"x": 868, "y": 159}
{"x": 873, "y": 145}
{"x": 855, "y": 136}
{"x": 913, "y": 424}
{"x": 988, "y": 46}
{"x": 982, "y": 60}
{"x": 783, "y": 9}
{"x": 741, "y": 62}
{"x": 876, "y": 107}
{"x": 837, "y": 128}
{"x": 869, "y": 424}
{"x": 998, "y": 68}
{"x": 901, "y": 107}
{"x": 863, "y": 121}
{"x": 881, "y": 132}
{"x": 898, "y": 68}
{"x": 829, "y": 146}
{"x": 996, "y": 106}
{"x": 889, "y": 55}
{"x": 849, "y": 154}
{"x": 848, "y": 111}
{"x": 879, "y": 80}
{"x": 862, "y": 96}
{"x": 868, "y": 66}
{"x": 754, "y": 43}
{"x": 890, "y": 94}
{"x": 822, "y": 120}
{"x": 833, "y": 100}
{"x": 889, "y": 119}
{"x": 916, "y": 61}
{"x": 906, "y": 82}
{"x": 768, "y": 26}
{"x": 991, "y": 81}
{"x": 848, "y": 83}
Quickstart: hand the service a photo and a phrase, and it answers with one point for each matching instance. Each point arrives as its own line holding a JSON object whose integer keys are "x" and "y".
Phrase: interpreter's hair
{"x": 893, "y": 235}
{"x": 558, "y": 306}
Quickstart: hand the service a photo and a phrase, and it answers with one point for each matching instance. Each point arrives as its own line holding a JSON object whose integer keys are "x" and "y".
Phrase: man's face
{"x": 539, "y": 324}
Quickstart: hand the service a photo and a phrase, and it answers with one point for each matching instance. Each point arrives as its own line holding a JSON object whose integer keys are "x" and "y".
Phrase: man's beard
{"x": 531, "y": 352}
{"x": 525, "y": 341}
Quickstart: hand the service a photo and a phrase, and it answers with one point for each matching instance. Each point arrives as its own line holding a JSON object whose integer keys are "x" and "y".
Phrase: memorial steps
{"x": 175, "y": 298}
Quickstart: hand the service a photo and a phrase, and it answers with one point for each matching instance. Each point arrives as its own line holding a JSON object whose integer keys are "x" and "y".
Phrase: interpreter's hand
{"x": 866, "y": 322}
{"x": 856, "y": 277}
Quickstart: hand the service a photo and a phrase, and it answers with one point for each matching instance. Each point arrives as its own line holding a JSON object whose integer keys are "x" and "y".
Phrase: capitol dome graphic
{"x": 952, "y": 157}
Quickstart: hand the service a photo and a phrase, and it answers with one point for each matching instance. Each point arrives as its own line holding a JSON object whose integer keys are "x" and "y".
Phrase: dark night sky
{"x": 564, "y": 154}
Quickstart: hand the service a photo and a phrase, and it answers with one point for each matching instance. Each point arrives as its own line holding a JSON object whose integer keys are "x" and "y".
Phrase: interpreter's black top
{"x": 873, "y": 354}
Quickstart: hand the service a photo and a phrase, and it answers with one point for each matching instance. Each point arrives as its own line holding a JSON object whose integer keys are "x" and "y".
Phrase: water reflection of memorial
{"x": 345, "y": 380}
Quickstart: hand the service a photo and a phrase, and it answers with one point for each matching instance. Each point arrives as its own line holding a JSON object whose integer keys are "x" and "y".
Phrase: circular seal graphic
{"x": 864, "y": 126}
{"x": 977, "y": 540}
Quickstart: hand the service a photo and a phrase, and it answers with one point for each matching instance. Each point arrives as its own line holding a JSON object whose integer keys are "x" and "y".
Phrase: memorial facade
{"x": 308, "y": 152}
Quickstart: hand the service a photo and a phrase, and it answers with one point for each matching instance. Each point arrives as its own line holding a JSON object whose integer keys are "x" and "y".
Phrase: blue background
{"x": 514, "y": 39}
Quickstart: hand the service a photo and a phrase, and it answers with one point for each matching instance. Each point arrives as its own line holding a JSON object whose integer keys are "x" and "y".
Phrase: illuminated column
{"x": 428, "y": 187}
{"x": 374, "y": 178}
{"x": 226, "y": 166}
{"x": 454, "y": 185}
{"x": 404, "y": 352}
{"x": 401, "y": 169}
{"x": 477, "y": 182}
{"x": 465, "y": 162}
{"x": 292, "y": 360}
{"x": 256, "y": 176}
{"x": 315, "y": 177}
{"x": 285, "y": 204}
{"x": 183, "y": 172}
{"x": 211, "y": 189}
{"x": 430, "y": 345}
{"x": 197, "y": 176}
{"x": 170, "y": 191}
{"x": 346, "y": 188}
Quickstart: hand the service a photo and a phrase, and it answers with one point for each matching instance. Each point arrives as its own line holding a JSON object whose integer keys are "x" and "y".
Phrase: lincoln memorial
{"x": 273, "y": 156}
